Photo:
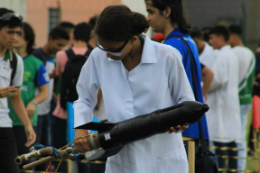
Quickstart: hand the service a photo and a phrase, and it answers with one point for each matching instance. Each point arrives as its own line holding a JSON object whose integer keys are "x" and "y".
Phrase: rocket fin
{"x": 102, "y": 154}
{"x": 100, "y": 127}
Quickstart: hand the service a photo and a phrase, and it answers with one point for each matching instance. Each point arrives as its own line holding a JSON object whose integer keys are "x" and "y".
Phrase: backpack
{"x": 70, "y": 77}
{"x": 13, "y": 65}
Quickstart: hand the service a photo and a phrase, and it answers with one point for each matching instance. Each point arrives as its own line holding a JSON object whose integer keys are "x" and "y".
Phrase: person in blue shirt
{"x": 167, "y": 17}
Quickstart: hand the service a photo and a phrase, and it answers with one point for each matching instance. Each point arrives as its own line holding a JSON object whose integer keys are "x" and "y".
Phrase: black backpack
{"x": 13, "y": 64}
{"x": 70, "y": 77}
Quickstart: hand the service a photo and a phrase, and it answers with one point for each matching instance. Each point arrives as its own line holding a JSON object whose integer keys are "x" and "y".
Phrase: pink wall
{"x": 74, "y": 11}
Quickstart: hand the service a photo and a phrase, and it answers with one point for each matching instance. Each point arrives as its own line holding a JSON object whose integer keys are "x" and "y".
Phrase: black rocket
{"x": 114, "y": 136}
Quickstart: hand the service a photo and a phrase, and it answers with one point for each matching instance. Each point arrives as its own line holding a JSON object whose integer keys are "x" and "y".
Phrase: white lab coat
{"x": 157, "y": 82}
{"x": 207, "y": 56}
{"x": 224, "y": 115}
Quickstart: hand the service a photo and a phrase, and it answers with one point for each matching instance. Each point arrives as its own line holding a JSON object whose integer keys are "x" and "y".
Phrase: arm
{"x": 43, "y": 95}
{"x": 207, "y": 76}
{"x": 19, "y": 108}
{"x": 99, "y": 97}
{"x": 87, "y": 88}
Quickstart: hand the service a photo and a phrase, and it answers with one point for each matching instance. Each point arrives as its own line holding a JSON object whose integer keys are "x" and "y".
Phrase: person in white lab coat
{"x": 224, "y": 115}
{"x": 246, "y": 79}
{"x": 137, "y": 76}
{"x": 207, "y": 54}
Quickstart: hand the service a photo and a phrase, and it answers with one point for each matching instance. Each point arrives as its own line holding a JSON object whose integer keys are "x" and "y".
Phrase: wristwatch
{"x": 34, "y": 102}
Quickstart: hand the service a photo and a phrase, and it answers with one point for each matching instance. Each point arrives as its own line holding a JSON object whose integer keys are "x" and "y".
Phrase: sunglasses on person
{"x": 10, "y": 16}
{"x": 115, "y": 52}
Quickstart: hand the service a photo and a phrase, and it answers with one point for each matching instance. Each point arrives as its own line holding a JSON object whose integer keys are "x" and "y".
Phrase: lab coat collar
{"x": 148, "y": 55}
{"x": 227, "y": 47}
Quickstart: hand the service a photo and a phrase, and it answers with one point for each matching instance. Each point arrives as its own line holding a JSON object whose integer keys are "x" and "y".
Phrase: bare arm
{"x": 99, "y": 97}
{"x": 19, "y": 108}
{"x": 43, "y": 95}
{"x": 207, "y": 76}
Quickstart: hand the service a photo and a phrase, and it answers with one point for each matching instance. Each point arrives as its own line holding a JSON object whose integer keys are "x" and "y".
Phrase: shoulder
{"x": 176, "y": 43}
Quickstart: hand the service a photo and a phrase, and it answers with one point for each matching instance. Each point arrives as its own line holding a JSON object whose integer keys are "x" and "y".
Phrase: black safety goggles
{"x": 11, "y": 16}
{"x": 117, "y": 50}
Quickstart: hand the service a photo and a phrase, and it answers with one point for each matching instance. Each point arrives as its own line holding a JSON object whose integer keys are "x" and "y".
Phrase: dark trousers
{"x": 232, "y": 162}
{"x": 42, "y": 136}
{"x": 8, "y": 151}
{"x": 21, "y": 139}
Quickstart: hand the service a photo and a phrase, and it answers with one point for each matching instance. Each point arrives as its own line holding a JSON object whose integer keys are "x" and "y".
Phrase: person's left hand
{"x": 179, "y": 128}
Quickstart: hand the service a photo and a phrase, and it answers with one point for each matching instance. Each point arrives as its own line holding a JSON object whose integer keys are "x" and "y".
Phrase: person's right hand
{"x": 81, "y": 144}
{"x": 31, "y": 136}
{"x": 9, "y": 91}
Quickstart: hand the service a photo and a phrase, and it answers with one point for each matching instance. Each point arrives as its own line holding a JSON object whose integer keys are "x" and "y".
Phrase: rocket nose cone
{"x": 205, "y": 107}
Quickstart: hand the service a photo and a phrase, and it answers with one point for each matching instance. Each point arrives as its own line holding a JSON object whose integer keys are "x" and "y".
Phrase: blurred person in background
{"x": 167, "y": 17}
{"x": 35, "y": 76}
{"x": 92, "y": 41}
{"x": 205, "y": 32}
{"x": 246, "y": 78}
{"x": 58, "y": 38}
{"x": 81, "y": 35}
{"x": 69, "y": 27}
{"x": 11, "y": 79}
{"x": 224, "y": 115}
{"x": 206, "y": 52}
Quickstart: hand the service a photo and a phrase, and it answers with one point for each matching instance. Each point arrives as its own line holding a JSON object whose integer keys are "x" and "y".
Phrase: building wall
{"x": 74, "y": 11}
{"x": 19, "y": 6}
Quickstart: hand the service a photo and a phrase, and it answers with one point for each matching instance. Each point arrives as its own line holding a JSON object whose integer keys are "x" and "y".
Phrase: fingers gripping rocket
{"x": 112, "y": 137}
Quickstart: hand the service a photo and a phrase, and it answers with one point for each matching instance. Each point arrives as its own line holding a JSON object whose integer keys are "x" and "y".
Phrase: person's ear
{"x": 167, "y": 12}
{"x": 49, "y": 39}
{"x": 133, "y": 39}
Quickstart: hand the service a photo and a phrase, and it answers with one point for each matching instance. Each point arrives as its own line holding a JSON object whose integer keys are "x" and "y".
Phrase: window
{"x": 53, "y": 17}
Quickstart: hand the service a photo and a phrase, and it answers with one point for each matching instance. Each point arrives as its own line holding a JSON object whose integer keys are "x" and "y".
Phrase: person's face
{"x": 57, "y": 45}
{"x": 215, "y": 41}
{"x": 155, "y": 19}
{"x": 20, "y": 41}
{"x": 113, "y": 45}
{"x": 8, "y": 36}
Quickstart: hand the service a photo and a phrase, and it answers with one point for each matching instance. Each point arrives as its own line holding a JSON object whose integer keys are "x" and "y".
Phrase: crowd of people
{"x": 111, "y": 69}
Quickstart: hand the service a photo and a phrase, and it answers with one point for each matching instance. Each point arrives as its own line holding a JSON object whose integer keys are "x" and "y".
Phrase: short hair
{"x": 29, "y": 36}
{"x": 235, "y": 29}
{"x": 68, "y": 26}
{"x": 196, "y": 33}
{"x": 220, "y": 31}
{"x": 205, "y": 32}
{"x": 59, "y": 33}
{"x": 82, "y": 32}
{"x": 13, "y": 23}
{"x": 92, "y": 21}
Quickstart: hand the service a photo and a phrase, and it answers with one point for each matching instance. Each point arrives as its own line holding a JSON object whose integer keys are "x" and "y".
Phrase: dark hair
{"x": 82, "y": 32}
{"x": 205, "y": 32}
{"x": 235, "y": 29}
{"x": 13, "y": 23}
{"x": 68, "y": 26}
{"x": 177, "y": 13}
{"x": 92, "y": 21}
{"x": 196, "y": 33}
{"x": 119, "y": 23}
{"x": 220, "y": 31}
{"x": 29, "y": 36}
{"x": 59, "y": 33}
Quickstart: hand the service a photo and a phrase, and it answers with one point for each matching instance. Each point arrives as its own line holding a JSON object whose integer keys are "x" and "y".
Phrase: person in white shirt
{"x": 246, "y": 78}
{"x": 224, "y": 115}
{"x": 11, "y": 79}
{"x": 206, "y": 52}
{"x": 137, "y": 76}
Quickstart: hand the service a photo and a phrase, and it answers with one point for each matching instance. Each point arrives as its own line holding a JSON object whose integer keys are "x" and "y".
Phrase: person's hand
{"x": 31, "y": 136}
{"x": 9, "y": 91}
{"x": 53, "y": 73}
{"x": 31, "y": 107}
{"x": 178, "y": 128}
{"x": 81, "y": 144}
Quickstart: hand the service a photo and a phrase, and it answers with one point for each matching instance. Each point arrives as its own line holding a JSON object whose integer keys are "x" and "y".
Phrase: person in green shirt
{"x": 35, "y": 75}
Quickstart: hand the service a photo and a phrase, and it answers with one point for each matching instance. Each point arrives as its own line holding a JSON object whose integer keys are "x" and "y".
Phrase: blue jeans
{"x": 244, "y": 109}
